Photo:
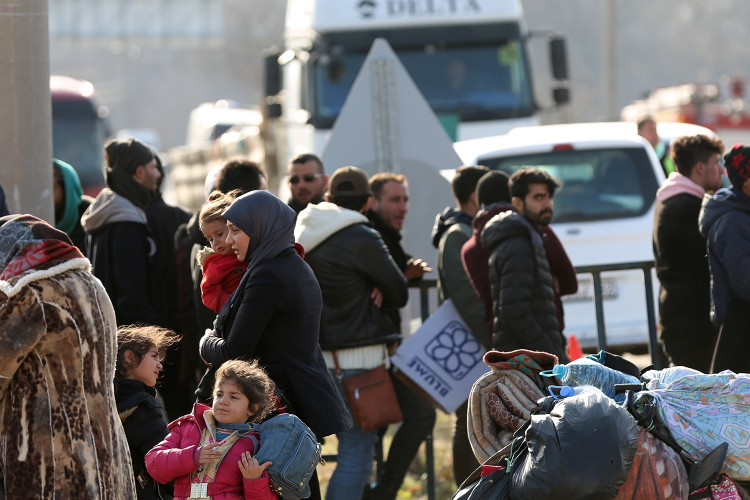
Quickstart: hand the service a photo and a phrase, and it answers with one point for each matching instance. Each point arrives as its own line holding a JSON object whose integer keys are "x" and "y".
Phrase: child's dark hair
{"x": 253, "y": 382}
{"x": 139, "y": 339}
{"x": 217, "y": 203}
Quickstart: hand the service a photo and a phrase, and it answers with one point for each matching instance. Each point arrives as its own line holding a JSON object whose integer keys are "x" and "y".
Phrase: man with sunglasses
{"x": 306, "y": 180}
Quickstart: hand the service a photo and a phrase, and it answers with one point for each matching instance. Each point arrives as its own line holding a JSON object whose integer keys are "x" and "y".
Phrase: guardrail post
{"x": 599, "y": 305}
{"x": 424, "y": 298}
{"x": 653, "y": 343}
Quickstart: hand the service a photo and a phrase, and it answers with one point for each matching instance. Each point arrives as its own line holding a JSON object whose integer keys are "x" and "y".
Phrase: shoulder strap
{"x": 339, "y": 373}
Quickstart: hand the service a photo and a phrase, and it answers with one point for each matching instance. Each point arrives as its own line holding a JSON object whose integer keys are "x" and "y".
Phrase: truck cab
{"x": 467, "y": 57}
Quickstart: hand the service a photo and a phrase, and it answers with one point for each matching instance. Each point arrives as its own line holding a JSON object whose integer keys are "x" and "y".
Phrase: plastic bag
{"x": 582, "y": 449}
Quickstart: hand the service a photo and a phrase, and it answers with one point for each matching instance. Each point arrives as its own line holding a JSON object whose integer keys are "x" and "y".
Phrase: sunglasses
{"x": 307, "y": 178}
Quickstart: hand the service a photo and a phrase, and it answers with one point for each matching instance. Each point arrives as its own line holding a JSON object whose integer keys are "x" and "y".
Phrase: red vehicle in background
{"x": 79, "y": 130}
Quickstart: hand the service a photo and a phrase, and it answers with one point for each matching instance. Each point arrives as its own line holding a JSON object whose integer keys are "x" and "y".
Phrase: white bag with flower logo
{"x": 443, "y": 358}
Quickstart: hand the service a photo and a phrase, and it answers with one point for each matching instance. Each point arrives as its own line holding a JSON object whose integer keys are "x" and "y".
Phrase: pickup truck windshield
{"x": 479, "y": 77}
{"x": 597, "y": 184}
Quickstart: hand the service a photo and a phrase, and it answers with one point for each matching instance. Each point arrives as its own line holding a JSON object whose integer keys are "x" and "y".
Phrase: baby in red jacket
{"x": 222, "y": 271}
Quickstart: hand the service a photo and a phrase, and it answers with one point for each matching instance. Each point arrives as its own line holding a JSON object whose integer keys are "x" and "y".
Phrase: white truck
{"x": 468, "y": 58}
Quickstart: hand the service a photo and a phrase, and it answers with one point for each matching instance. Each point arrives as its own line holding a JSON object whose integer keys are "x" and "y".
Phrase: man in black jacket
{"x": 119, "y": 243}
{"x": 389, "y": 208}
{"x": 357, "y": 278}
{"x": 688, "y": 336}
{"x": 522, "y": 287}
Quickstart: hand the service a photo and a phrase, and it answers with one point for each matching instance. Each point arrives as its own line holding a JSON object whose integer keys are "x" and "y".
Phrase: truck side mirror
{"x": 561, "y": 95}
{"x": 558, "y": 58}
{"x": 273, "y": 71}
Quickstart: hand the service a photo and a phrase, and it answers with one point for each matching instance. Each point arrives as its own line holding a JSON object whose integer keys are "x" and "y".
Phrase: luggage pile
{"x": 597, "y": 428}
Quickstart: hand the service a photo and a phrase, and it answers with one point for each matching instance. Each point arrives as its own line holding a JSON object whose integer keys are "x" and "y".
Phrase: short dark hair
{"x": 521, "y": 178}
{"x": 351, "y": 202}
{"x": 304, "y": 158}
{"x": 690, "y": 149}
{"x": 465, "y": 181}
{"x": 241, "y": 174}
{"x": 644, "y": 121}
{"x": 493, "y": 188}
{"x": 380, "y": 179}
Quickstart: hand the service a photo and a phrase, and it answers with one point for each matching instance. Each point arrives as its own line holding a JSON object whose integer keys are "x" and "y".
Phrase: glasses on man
{"x": 307, "y": 178}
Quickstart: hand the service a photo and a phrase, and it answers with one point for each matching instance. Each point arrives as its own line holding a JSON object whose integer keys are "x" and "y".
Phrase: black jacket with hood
{"x": 123, "y": 256}
{"x": 144, "y": 426}
{"x": 522, "y": 290}
{"x": 725, "y": 223}
{"x": 349, "y": 259}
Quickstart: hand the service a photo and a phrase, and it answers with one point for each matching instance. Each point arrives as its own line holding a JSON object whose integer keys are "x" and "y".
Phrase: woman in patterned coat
{"x": 60, "y": 435}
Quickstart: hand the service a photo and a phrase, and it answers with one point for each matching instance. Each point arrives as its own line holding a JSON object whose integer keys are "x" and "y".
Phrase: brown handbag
{"x": 371, "y": 397}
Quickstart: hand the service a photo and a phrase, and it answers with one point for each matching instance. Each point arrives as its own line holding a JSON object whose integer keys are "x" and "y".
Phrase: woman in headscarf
{"x": 274, "y": 315}
{"x": 59, "y": 430}
{"x": 70, "y": 203}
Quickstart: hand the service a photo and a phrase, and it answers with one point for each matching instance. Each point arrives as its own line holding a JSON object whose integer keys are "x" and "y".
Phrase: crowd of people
{"x": 253, "y": 306}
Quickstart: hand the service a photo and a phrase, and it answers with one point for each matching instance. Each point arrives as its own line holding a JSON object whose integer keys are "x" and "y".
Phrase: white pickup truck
{"x": 603, "y": 212}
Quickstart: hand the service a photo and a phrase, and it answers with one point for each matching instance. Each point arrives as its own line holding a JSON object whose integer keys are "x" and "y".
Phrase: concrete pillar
{"x": 25, "y": 108}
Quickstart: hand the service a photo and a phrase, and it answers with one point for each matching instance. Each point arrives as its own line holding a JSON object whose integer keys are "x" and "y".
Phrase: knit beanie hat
{"x": 492, "y": 188}
{"x": 123, "y": 159}
{"x": 737, "y": 164}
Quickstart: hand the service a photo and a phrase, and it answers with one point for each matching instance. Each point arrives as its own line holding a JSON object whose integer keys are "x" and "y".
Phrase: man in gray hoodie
{"x": 118, "y": 242}
{"x": 725, "y": 223}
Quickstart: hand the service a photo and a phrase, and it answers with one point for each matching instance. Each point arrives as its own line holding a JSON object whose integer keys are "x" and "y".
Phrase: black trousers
{"x": 732, "y": 350}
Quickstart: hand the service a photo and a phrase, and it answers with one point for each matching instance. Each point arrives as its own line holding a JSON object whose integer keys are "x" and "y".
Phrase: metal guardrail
{"x": 596, "y": 273}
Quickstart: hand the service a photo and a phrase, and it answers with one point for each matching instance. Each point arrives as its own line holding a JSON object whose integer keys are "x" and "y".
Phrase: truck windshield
{"x": 78, "y": 136}
{"x": 597, "y": 184}
{"x": 471, "y": 74}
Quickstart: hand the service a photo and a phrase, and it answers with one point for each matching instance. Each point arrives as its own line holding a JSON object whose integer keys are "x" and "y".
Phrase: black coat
{"x": 78, "y": 235}
{"x": 522, "y": 290}
{"x": 274, "y": 316}
{"x": 685, "y": 295}
{"x": 348, "y": 265}
{"x": 123, "y": 257}
{"x": 144, "y": 427}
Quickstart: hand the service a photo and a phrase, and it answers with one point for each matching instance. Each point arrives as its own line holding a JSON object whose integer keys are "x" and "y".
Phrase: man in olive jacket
{"x": 522, "y": 287}
{"x": 358, "y": 278}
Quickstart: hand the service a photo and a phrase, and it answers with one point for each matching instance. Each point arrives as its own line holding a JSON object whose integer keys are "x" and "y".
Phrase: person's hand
{"x": 416, "y": 268}
{"x": 377, "y": 297}
{"x": 206, "y": 336}
{"x": 208, "y": 453}
{"x": 250, "y": 468}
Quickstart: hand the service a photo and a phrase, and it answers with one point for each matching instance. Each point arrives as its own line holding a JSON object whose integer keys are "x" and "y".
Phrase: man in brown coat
{"x": 60, "y": 435}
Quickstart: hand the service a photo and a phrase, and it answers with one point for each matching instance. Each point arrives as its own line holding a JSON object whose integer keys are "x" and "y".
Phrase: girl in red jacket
{"x": 209, "y": 453}
{"x": 222, "y": 271}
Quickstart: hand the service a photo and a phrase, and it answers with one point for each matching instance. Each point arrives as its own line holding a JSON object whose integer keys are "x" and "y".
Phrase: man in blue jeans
{"x": 357, "y": 277}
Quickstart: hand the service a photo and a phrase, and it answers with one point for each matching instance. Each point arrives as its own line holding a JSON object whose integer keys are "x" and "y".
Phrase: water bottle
{"x": 565, "y": 391}
{"x": 585, "y": 371}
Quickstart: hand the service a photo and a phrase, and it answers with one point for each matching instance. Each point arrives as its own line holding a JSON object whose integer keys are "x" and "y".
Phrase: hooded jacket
{"x": 144, "y": 425}
{"x": 122, "y": 253}
{"x": 349, "y": 258}
{"x": 172, "y": 459}
{"x": 453, "y": 282}
{"x": 522, "y": 292}
{"x": 682, "y": 269}
{"x": 725, "y": 223}
{"x": 59, "y": 432}
{"x": 446, "y": 219}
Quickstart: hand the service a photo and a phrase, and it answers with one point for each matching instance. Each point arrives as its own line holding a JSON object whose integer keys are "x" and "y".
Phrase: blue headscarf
{"x": 73, "y": 192}
{"x": 268, "y": 221}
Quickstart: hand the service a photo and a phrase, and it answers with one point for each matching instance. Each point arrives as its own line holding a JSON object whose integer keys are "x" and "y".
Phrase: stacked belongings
{"x": 503, "y": 400}
{"x": 579, "y": 447}
{"x": 702, "y": 414}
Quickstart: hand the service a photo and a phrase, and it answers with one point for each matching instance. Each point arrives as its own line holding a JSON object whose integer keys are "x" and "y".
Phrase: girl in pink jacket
{"x": 209, "y": 453}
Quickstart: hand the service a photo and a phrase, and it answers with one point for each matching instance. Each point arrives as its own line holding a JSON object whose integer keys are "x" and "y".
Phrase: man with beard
{"x": 306, "y": 180}
{"x": 522, "y": 286}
